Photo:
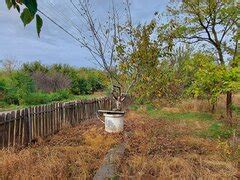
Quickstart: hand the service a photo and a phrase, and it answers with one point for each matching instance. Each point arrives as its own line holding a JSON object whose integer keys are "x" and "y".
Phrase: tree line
{"x": 35, "y": 83}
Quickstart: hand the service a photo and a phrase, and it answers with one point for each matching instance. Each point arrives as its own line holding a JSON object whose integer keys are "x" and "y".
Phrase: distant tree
{"x": 9, "y": 65}
{"x": 207, "y": 22}
{"x": 33, "y": 67}
{"x": 51, "y": 82}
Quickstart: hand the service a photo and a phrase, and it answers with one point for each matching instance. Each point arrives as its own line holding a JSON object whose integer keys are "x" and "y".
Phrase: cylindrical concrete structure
{"x": 114, "y": 122}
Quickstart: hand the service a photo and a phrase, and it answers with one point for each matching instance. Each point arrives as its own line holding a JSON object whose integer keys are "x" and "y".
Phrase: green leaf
{"x": 26, "y": 16}
{"x": 39, "y": 24}
{"x": 18, "y": 8}
{"x": 31, "y": 5}
{"x": 9, "y": 4}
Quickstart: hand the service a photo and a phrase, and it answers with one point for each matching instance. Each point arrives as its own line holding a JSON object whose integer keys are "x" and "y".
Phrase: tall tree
{"x": 211, "y": 24}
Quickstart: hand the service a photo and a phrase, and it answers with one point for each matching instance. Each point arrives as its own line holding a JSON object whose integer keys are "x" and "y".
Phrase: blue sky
{"x": 54, "y": 46}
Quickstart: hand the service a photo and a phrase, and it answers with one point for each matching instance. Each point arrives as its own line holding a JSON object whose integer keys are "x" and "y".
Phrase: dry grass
{"x": 170, "y": 149}
{"x": 73, "y": 153}
{"x": 204, "y": 105}
{"x": 162, "y": 144}
{"x": 197, "y": 105}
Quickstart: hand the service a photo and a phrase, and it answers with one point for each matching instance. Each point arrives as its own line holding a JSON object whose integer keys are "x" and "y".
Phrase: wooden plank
{"x": 33, "y": 116}
{"x": 8, "y": 121}
{"x": 48, "y": 120}
{"x": 26, "y": 127}
{"x": 18, "y": 128}
{"x": 41, "y": 120}
{"x": 30, "y": 128}
{"x": 3, "y": 131}
{"x": 44, "y": 121}
{"x": 14, "y": 115}
{"x": 52, "y": 118}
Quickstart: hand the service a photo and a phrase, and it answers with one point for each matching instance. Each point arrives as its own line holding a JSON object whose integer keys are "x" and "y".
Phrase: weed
{"x": 180, "y": 116}
{"x": 218, "y": 130}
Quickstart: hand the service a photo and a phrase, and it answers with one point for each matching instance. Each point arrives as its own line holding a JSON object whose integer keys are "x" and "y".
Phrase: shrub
{"x": 81, "y": 86}
{"x": 3, "y": 104}
{"x": 2, "y": 89}
{"x": 44, "y": 98}
{"x": 96, "y": 83}
{"x": 51, "y": 82}
{"x": 37, "y": 99}
{"x": 33, "y": 67}
{"x": 60, "y": 95}
{"x": 19, "y": 86}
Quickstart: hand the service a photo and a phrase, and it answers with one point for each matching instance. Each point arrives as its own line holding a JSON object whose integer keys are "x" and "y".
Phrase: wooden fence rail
{"x": 21, "y": 127}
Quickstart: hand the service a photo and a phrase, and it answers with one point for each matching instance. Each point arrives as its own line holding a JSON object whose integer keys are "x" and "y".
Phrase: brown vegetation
{"x": 74, "y": 152}
{"x": 165, "y": 143}
{"x": 171, "y": 149}
{"x": 51, "y": 82}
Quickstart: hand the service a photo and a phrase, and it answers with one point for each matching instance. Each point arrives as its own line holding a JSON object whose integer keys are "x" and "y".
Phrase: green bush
{"x": 96, "y": 83}
{"x": 44, "y": 98}
{"x": 18, "y": 86}
{"x": 60, "y": 95}
{"x": 2, "y": 85}
{"x": 37, "y": 99}
{"x": 2, "y": 89}
{"x": 81, "y": 86}
{"x": 3, "y": 104}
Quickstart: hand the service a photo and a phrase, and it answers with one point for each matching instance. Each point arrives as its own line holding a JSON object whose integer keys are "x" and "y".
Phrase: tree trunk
{"x": 213, "y": 108}
{"x": 118, "y": 105}
{"x": 229, "y": 106}
{"x": 220, "y": 55}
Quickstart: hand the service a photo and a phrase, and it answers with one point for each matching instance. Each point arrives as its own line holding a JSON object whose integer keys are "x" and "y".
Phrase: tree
{"x": 29, "y": 12}
{"x": 207, "y": 22}
{"x": 138, "y": 58}
{"x": 51, "y": 82}
{"x": 9, "y": 65}
{"x": 99, "y": 37}
{"x": 33, "y": 67}
{"x": 18, "y": 86}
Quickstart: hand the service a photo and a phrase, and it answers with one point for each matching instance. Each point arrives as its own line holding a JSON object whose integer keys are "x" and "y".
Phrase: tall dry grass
{"x": 160, "y": 149}
{"x": 72, "y": 153}
{"x": 205, "y": 106}
{"x": 201, "y": 105}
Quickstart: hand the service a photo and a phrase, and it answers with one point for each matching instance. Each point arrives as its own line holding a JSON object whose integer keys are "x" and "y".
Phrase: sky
{"x": 54, "y": 46}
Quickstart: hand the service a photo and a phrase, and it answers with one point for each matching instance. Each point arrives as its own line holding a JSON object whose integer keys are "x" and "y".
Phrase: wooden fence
{"x": 19, "y": 128}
